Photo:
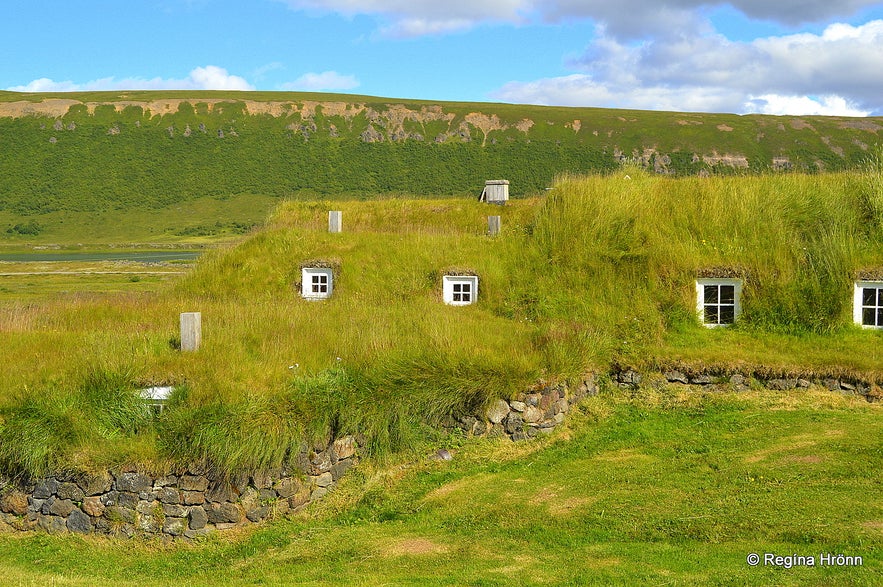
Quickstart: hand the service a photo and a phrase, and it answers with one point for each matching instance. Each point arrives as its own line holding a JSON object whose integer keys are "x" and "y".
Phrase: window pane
{"x": 869, "y": 296}
{"x": 711, "y": 315}
{"x": 323, "y": 279}
{"x": 467, "y": 297}
{"x": 458, "y": 287}
{"x": 728, "y": 294}
{"x": 880, "y": 297}
{"x": 457, "y": 297}
{"x": 323, "y": 288}
{"x": 727, "y": 314}
{"x": 879, "y": 317}
{"x": 467, "y": 287}
{"x": 315, "y": 288}
{"x": 710, "y": 294}
{"x": 868, "y": 317}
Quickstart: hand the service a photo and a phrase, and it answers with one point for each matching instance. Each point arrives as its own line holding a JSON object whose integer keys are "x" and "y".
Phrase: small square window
{"x": 317, "y": 283}
{"x": 717, "y": 301}
{"x": 459, "y": 290}
{"x": 868, "y": 304}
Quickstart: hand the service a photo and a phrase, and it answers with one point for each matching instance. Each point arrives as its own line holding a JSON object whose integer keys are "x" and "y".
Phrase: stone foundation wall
{"x": 530, "y": 414}
{"x": 189, "y": 504}
{"x": 869, "y": 390}
{"x": 193, "y": 503}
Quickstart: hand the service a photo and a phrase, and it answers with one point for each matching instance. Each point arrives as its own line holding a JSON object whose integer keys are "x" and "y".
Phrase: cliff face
{"x": 73, "y": 150}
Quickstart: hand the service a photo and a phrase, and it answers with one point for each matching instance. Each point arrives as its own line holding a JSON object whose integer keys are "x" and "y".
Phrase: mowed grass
{"x": 658, "y": 487}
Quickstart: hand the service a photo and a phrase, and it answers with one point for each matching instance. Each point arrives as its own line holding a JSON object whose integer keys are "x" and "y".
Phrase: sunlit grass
{"x": 597, "y": 273}
{"x": 663, "y": 487}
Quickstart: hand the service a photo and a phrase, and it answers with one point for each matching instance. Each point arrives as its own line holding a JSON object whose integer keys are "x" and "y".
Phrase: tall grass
{"x": 639, "y": 241}
{"x": 599, "y": 272}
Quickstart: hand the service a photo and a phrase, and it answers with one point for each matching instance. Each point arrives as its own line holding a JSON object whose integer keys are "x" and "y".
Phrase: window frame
{"x": 858, "y": 305}
{"x": 307, "y": 275}
{"x": 449, "y": 290}
{"x": 701, "y": 303}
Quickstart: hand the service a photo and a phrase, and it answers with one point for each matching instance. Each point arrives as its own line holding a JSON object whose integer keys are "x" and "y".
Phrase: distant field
{"x": 29, "y": 281}
{"x": 196, "y": 223}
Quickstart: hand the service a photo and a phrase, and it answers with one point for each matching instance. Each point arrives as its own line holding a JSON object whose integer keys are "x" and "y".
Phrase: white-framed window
{"x": 717, "y": 301}
{"x": 459, "y": 290}
{"x": 156, "y": 398}
{"x": 867, "y": 307}
{"x": 317, "y": 283}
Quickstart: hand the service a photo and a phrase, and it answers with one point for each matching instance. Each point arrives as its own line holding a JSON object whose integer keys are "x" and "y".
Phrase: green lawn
{"x": 666, "y": 488}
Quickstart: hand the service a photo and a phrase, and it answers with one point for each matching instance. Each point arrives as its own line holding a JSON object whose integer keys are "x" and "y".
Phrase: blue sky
{"x": 743, "y": 56}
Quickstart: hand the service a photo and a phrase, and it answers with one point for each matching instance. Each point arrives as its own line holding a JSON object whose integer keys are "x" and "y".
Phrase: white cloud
{"x": 710, "y": 73}
{"x": 411, "y": 18}
{"x": 210, "y": 77}
{"x": 622, "y": 19}
{"x": 327, "y": 80}
{"x": 803, "y": 106}
{"x": 217, "y": 78}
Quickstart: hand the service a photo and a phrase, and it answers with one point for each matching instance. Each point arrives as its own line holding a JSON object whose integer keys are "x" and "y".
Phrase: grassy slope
{"x": 658, "y": 489}
{"x": 598, "y": 274}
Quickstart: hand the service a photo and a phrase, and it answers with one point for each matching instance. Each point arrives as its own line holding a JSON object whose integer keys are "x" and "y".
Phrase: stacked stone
{"x": 530, "y": 413}
{"x": 741, "y": 382}
{"x": 189, "y": 504}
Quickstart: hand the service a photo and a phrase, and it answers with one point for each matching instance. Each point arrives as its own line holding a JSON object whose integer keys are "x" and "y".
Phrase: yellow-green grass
{"x": 597, "y": 274}
{"x": 662, "y": 488}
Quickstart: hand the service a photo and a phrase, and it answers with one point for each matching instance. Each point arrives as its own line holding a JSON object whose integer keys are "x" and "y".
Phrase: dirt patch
{"x": 738, "y": 161}
{"x": 54, "y": 108}
{"x": 485, "y": 123}
{"x": 274, "y": 109}
{"x": 687, "y": 122}
{"x": 724, "y": 128}
{"x": 800, "y": 124}
{"x": 575, "y": 125}
{"x": 414, "y": 547}
{"x": 524, "y": 125}
{"x": 861, "y": 124}
{"x": 837, "y": 150}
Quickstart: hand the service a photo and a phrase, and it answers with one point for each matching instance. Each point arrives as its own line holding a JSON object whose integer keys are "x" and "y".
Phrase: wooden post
{"x": 191, "y": 331}
{"x": 493, "y": 225}
{"x": 335, "y": 221}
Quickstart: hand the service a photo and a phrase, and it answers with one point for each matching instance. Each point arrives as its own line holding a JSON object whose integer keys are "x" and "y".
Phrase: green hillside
{"x": 89, "y": 152}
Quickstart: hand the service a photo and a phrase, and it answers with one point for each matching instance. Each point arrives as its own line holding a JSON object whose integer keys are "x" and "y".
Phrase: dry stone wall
{"x": 530, "y": 413}
{"x": 193, "y": 503}
{"x": 187, "y": 504}
{"x": 709, "y": 380}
